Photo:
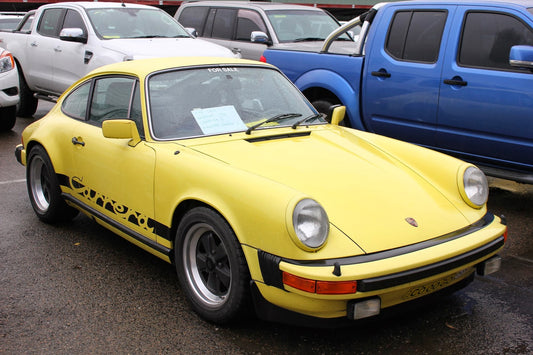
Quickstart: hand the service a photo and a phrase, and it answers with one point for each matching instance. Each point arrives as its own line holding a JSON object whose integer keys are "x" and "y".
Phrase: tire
{"x": 211, "y": 267}
{"x": 28, "y": 103}
{"x": 44, "y": 190}
{"x": 8, "y": 117}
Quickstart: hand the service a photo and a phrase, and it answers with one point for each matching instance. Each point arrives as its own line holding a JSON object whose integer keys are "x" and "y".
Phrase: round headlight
{"x": 476, "y": 187}
{"x": 310, "y": 223}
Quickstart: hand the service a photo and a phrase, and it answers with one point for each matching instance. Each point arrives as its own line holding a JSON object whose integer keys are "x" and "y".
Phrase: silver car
{"x": 250, "y": 27}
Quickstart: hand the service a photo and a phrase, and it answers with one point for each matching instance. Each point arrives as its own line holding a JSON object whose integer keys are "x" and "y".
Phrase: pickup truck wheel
{"x": 211, "y": 266}
{"x": 8, "y": 116}
{"x": 44, "y": 190}
{"x": 28, "y": 103}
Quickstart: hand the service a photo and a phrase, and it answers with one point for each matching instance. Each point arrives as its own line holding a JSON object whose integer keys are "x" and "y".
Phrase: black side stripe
{"x": 137, "y": 236}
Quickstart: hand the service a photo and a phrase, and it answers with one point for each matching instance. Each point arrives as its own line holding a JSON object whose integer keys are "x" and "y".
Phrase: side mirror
{"x": 259, "y": 37}
{"x": 73, "y": 35}
{"x": 337, "y": 115}
{"x": 192, "y": 31}
{"x": 521, "y": 56}
{"x": 121, "y": 129}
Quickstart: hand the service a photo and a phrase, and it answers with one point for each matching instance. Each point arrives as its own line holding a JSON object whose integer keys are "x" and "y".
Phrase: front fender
{"x": 336, "y": 84}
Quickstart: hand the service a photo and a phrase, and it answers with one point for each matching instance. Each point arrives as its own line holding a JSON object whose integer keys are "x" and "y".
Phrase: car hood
{"x": 141, "y": 48}
{"x": 340, "y": 47}
{"x": 368, "y": 194}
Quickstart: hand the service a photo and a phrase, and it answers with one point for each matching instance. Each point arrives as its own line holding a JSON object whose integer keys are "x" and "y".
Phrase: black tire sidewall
{"x": 27, "y": 102}
{"x": 8, "y": 117}
{"x": 237, "y": 302}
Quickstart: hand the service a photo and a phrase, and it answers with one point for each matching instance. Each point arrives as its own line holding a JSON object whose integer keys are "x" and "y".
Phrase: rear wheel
{"x": 8, "y": 116}
{"x": 211, "y": 266}
{"x": 44, "y": 190}
{"x": 28, "y": 103}
{"x": 324, "y": 105}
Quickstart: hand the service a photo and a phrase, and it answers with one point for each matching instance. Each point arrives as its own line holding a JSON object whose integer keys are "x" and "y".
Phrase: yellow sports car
{"x": 223, "y": 168}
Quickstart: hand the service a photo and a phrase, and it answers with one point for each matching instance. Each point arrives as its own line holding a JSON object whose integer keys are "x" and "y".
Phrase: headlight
{"x": 310, "y": 223}
{"x": 475, "y": 187}
{"x": 6, "y": 61}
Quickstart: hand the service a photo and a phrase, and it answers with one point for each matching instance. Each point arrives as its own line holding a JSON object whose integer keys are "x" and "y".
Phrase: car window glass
{"x": 26, "y": 27}
{"x": 49, "y": 23}
{"x": 291, "y": 25}
{"x": 111, "y": 99}
{"x": 136, "y": 110}
{"x": 205, "y": 101}
{"x": 194, "y": 17}
{"x": 247, "y": 22}
{"x": 488, "y": 37}
{"x": 416, "y": 35}
{"x": 75, "y": 104}
{"x": 224, "y": 23}
{"x": 124, "y": 22}
{"x": 73, "y": 20}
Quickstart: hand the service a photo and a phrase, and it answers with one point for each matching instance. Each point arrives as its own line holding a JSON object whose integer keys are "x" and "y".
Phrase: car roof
{"x": 522, "y": 3}
{"x": 144, "y": 67}
{"x": 252, "y": 5}
{"x": 98, "y": 4}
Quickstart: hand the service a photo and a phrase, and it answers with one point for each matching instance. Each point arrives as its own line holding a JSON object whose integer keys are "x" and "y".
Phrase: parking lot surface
{"x": 76, "y": 288}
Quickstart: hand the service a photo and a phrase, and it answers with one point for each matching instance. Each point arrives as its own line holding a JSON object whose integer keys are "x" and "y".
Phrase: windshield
{"x": 217, "y": 100}
{"x": 302, "y": 25}
{"x": 111, "y": 23}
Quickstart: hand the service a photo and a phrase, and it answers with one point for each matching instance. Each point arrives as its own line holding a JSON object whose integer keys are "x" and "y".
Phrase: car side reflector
{"x": 320, "y": 287}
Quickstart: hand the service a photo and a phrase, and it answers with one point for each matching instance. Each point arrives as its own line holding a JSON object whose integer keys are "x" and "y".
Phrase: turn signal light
{"x": 320, "y": 287}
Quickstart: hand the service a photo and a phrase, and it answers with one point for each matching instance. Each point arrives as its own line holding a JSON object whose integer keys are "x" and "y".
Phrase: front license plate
{"x": 436, "y": 285}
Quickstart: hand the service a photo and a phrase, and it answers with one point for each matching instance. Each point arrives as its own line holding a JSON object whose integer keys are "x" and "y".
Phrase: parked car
{"x": 66, "y": 40}
{"x": 10, "y": 20}
{"x": 250, "y": 27}
{"x": 9, "y": 90}
{"x": 450, "y": 75}
{"x": 222, "y": 167}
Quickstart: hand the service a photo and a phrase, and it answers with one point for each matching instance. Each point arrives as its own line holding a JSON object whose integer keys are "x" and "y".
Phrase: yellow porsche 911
{"x": 223, "y": 168}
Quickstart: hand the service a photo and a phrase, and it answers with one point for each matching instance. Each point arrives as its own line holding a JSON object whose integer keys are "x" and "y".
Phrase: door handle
{"x": 455, "y": 82}
{"x": 382, "y": 73}
{"x": 75, "y": 141}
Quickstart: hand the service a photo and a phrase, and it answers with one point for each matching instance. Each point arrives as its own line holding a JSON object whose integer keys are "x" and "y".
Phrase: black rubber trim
{"x": 278, "y": 136}
{"x": 131, "y": 233}
{"x": 400, "y": 278}
{"x": 269, "y": 265}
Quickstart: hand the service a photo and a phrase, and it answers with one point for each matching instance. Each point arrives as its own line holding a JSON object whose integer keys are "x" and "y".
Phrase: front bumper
{"x": 393, "y": 276}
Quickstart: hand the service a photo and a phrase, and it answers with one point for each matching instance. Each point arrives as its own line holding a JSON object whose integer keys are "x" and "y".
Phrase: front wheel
{"x": 44, "y": 190}
{"x": 211, "y": 266}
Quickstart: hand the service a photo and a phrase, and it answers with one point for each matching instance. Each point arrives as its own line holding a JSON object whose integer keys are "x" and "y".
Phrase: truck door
{"x": 400, "y": 88}
{"x": 486, "y": 106}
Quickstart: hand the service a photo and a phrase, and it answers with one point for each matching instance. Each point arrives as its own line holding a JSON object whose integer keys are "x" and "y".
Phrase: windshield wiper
{"x": 272, "y": 119}
{"x": 308, "y": 118}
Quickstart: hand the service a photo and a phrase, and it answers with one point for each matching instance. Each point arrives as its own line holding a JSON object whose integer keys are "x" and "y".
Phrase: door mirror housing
{"x": 73, "y": 35}
{"x": 121, "y": 129}
{"x": 521, "y": 56}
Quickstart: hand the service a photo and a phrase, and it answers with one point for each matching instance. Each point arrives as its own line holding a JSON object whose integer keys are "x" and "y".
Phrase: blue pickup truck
{"x": 456, "y": 76}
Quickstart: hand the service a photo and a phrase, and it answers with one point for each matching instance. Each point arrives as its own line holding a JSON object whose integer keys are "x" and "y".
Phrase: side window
{"x": 50, "y": 22}
{"x": 194, "y": 17}
{"x": 75, "y": 105}
{"x": 416, "y": 35}
{"x": 247, "y": 22}
{"x": 111, "y": 99}
{"x": 73, "y": 20}
{"x": 224, "y": 23}
{"x": 26, "y": 27}
{"x": 488, "y": 37}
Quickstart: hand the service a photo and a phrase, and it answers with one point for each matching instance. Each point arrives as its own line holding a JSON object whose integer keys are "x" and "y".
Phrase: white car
{"x": 9, "y": 90}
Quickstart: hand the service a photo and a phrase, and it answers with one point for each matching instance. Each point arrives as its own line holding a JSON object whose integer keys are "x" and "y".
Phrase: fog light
{"x": 363, "y": 309}
{"x": 489, "y": 266}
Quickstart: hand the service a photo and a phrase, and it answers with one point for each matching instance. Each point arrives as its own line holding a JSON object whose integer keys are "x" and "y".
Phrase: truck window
{"x": 73, "y": 20}
{"x": 194, "y": 17}
{"x": 50, "y": 22}
{"x": 247, "y": 22}
{"x": 488, "y": 37}
{"x": 416, "y": 35}
{"x": 223, "y": 24}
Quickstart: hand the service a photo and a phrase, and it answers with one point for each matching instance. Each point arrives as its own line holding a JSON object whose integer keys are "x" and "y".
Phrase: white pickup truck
{"x": 61, "y": 42}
